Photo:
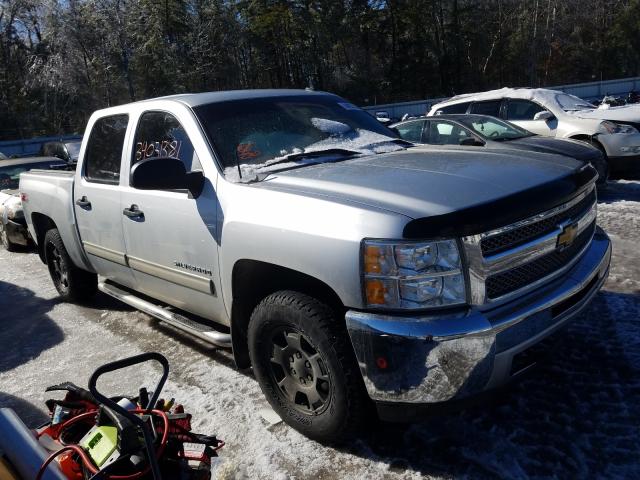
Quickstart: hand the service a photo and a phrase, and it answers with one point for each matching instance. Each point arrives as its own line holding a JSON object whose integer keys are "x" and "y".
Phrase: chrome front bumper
{"x": 438, "y": 358}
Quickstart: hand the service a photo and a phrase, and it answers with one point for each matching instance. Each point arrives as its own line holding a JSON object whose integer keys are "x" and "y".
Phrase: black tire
{"x": 602, "y": 166}
{"x": 4, "y": 239}
{"x": 333, "y": 405}
{"x": 73, "y": 284}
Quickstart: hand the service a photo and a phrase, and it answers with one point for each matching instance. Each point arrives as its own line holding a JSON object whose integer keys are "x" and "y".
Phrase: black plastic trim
{"x": 503, "y": 211}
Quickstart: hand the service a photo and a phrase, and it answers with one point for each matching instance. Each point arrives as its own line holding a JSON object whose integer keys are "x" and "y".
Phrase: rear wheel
{"x": 305, "y": 365}
{"x": 73, "y": 284}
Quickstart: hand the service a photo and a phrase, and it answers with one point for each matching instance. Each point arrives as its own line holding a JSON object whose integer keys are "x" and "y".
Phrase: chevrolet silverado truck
{"x": 348, "y": 268}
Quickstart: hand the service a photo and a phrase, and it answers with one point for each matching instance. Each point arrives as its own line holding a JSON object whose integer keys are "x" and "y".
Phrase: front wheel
{"x": 306, "y": 368}
{"x": 601, "y": 165}
{"x": 73, "y": 284}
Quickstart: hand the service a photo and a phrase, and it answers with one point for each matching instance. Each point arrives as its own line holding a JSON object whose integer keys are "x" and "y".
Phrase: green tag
{"x": 100, "y": 443}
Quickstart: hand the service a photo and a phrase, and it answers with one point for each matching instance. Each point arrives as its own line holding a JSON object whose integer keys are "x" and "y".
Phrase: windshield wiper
{"x": 258, "y": 176}
{"x": 344, "y": 152}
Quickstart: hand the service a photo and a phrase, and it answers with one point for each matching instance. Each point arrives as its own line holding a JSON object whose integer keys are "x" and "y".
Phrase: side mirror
{"x": 471, "y": 142}
{"x": 544, "y": 115}
{"x": 166, "y": 173}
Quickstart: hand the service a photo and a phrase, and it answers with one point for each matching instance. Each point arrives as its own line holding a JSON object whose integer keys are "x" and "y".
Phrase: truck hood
{"x": 425, "y": 181}
{"x": 625, "y": 113}
{"x": 571, "y": 148}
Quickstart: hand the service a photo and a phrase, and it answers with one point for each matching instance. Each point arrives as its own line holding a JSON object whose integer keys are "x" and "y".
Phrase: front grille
{"x": 518, "y": 236}
{"x": 511, "y": 280}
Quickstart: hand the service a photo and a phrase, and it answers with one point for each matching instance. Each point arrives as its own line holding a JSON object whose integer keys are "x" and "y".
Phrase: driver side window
{"x": 160, "y": 134}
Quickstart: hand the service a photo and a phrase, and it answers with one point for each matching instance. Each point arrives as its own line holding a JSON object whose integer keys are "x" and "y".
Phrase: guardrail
{"x": 29, "y": 147}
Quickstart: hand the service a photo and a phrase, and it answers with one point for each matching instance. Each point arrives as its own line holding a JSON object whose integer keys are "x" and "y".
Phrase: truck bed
{"x": 50, "y": 194}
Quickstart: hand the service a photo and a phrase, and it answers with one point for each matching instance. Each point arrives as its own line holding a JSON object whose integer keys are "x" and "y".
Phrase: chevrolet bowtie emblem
{"x": 567, "y": 237}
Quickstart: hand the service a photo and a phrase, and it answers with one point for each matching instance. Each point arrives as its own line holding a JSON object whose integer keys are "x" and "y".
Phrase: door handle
{"x": 84, "y": 203}
{"x": 133, "y": 212}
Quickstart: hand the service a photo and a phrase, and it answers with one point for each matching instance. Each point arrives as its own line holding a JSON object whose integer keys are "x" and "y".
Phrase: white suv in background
{"x": 558, "y": 114}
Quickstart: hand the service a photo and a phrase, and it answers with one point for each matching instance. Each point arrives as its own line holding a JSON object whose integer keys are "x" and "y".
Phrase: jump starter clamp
{"x": 96, "y": 437}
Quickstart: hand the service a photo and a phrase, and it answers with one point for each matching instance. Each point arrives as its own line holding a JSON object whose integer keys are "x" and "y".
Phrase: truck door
{"x": 171, "y": 238}
{"x": 97, "y": 199}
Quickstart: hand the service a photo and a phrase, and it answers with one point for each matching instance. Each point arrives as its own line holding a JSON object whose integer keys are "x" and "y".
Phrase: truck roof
{"x": 196, "y": 99}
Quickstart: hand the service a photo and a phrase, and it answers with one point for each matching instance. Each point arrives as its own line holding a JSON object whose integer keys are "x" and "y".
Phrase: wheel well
{"x": 591, "y": 140}
{"x": 41, "y": 224}
{"x": 252, "y": 281}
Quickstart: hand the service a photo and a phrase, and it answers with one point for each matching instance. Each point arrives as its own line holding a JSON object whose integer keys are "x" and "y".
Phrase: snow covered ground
{"x": 576, "y": 416}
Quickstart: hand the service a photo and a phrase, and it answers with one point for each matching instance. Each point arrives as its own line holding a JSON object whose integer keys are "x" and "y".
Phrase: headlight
{"x": 412, "y": 275}
{"x": 612, "y": 127}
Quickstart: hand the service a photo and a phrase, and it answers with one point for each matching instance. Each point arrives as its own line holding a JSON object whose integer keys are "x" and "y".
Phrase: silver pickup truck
{"x": 349, "y": 268}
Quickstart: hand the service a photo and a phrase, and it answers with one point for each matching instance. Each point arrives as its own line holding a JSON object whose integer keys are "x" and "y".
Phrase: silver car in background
{"x": 557, "y": 114}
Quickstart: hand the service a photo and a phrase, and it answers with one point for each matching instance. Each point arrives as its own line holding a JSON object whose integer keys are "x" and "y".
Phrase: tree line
{"x": 62, "y": 59}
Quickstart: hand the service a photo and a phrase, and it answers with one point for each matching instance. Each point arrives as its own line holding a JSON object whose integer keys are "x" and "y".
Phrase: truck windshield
{"x": 494, "y": 129}
{"x": 10, "y": 174}
{"x": 256, "y": 136}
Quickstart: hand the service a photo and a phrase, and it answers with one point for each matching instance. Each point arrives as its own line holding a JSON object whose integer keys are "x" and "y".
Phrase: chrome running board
{"x": 192, "y": 327}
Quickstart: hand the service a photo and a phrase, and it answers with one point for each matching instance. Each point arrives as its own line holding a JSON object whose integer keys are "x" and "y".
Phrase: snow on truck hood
{"x": 420, "y": 182}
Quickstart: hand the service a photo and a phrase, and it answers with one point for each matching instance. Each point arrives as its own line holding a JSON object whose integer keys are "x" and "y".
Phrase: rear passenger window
{"x": 491, "y": 108}
{"x": 445, "y": 133}
{"x": 104, "y": 149}
{"x": 160, "y": 134}
{"x": 457, "y": 108}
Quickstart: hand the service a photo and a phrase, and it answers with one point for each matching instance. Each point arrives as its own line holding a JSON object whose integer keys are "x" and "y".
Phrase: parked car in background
{"x": 383, "y": 117}
{"x": 474, "y": 131}
{"x": 67, "y": 151}
{"x": 633, "y": 97}
{"x": 13, "y": 228}
{"x": 611, "y": 101}
{"x": 557, "y": 114}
